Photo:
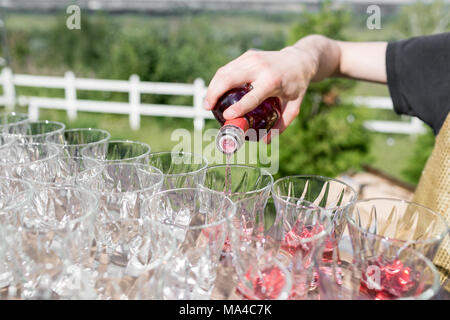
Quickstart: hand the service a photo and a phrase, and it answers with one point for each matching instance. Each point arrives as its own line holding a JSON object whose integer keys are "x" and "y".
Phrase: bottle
{"x": 233, "y": 132}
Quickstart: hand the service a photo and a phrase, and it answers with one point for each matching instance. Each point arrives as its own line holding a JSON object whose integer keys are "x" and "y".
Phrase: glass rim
{"x": 263, "y": 172}
{"x": 204, "y": 162}
{"x": 29, "y": 193}
{"x": 439, "y": 237}
{"x": 90, "y": 211}
{"x": 323, "y": 178}
{"x": 62, "y": 128}
{"x": 143, "y": 144}
{"x": 328, "y": 227}
{"x": 41, "y": 183}
{"x": 105, "y": 139}
{"x": 13, "y": 113}
{"x": 203, "y": 226}
{"x": 20, "y": 164}
{"x": 287, "y": 287}
{"x": 103, "y": 166}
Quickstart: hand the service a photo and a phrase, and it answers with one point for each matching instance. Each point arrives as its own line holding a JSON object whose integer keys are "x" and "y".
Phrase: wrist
{"x": 322, "y": 54}
{"x": 308, "y": 52}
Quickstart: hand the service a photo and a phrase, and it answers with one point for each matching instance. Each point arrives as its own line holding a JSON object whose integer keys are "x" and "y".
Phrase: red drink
{"x": 267, "y": 284}
{"x": 233, "y": 132}
{"x": 297, "y": 239}
{"x": 392, "y": 281}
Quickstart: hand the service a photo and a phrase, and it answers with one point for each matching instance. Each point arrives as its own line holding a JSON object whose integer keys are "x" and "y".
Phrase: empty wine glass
{"x": 180, "y": 169}
{"x": 37, "y": 131}
{"x": 199, "y": 219}
{"x": 392, "y": 224}
{"x": 118, "y": 151}
{"x": 64, "y": 171}
{"x": 76, "y": 139}
{"x": 51, "y": 248}
{"x": 15, "y": 194}
{"x": 21, "y": 159}
{"x": 150, "y": 246}
{"x": 343, "y": 276}
{"x": 122, "y": 188}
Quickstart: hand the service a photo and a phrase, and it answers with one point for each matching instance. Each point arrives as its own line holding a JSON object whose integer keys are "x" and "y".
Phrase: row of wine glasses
{"x": 86, "y": 217}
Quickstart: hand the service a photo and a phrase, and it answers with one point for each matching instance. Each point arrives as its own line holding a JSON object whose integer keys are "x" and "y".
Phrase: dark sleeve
{"x": 418, "y": 75}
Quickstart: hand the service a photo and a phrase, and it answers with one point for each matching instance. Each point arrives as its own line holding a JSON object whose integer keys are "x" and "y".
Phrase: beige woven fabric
{"x": 433, "y": 191}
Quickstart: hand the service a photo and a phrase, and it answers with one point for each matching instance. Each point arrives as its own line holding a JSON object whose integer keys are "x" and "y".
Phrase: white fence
{"x": 134, "y": 108}
{"x": 414, "y": 126}
{"x": 134, "y": 87}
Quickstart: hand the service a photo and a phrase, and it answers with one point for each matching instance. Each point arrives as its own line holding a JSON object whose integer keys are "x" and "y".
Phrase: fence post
{"x": 199, "y": 91}
{"x": 135, "y": 102}
{"x": 417, "y": 125}
{"x": 71, "y": 95}
{"x": 9, "y": 91}
{"x": 33, "y": 110}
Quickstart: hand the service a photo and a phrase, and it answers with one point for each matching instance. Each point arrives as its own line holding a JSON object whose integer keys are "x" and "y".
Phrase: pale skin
{"x": 287, "y": 73}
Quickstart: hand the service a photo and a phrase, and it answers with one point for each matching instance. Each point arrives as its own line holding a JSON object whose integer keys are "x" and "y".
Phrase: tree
{"x": 423, "y": 18}
{"x": 323, "y": 139}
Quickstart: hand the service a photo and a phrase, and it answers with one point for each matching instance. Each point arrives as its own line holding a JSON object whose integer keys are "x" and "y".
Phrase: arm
{"x": 356, "y": 60}
{"x": 288, "y": 72}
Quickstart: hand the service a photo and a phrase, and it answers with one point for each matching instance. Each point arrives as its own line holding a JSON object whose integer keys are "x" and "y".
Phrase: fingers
{"x": 230, "y": 76}
{"x": 288, "y": 115}
{"x": 249, "y": 101}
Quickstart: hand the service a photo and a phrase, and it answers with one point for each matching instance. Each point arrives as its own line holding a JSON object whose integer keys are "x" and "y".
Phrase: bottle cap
{"x": 238, "y": 122}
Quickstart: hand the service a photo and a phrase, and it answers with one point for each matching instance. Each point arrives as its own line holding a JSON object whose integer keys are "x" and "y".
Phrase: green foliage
{"x": 328, "y": 144}
{"x": 327, "y": 21}
{"x": 323, "y": 140}
{"x": 422, "y": 150}
{"x": 423, "y": 17}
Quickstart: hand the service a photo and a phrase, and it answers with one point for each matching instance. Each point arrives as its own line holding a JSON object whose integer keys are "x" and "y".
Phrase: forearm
{"x": 331, "y": 58}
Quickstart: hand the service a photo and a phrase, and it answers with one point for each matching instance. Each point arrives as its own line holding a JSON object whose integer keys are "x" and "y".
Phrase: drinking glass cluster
{"x": 86, "y": 217}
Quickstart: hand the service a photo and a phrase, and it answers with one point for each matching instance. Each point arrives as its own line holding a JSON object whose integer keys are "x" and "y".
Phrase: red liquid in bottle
{"x": 263, "y": 117}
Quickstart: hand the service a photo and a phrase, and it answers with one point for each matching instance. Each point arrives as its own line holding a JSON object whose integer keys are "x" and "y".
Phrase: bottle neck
{"x": 231, "y": 136}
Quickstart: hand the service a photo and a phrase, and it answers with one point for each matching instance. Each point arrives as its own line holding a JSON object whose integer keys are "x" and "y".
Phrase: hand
{"x": 285, "y": 74}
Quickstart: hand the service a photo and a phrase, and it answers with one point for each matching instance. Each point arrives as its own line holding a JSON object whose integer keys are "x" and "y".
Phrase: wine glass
{"x": 180, "y": 169}
{"x": 344, "y": 276}
{"x": 199, "y": 219}
{"x": 76, "y": 139}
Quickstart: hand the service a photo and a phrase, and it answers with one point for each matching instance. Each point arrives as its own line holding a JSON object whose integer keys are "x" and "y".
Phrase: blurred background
{"x": 180, "y": 41}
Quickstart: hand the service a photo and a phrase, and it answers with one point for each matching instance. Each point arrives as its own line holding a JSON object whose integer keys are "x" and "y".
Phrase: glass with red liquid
{"x": 252, "y": 126}
{"x": 249, "y": 189}
{"x": 301, "y": 226}
{"x": 383, "y": 224}
{"x": 407, "y": 275}
{"x": 332, "y": 195}
{"x": 260, "y": 275}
